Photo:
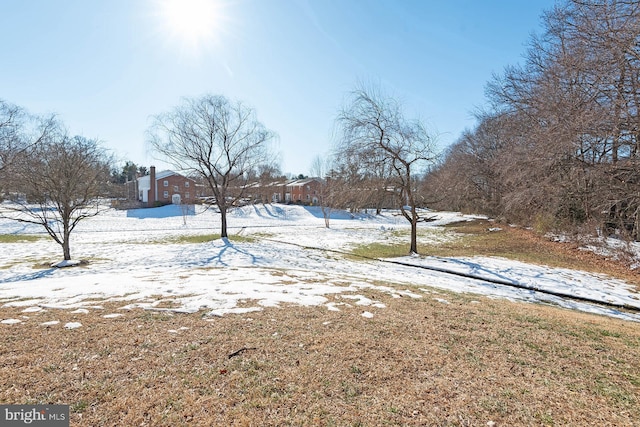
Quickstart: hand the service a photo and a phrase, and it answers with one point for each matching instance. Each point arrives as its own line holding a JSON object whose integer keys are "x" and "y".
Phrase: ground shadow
{"x": 29, "y": 276}
{"x": 225, "y": 251}
{"x": 162, "y": 211}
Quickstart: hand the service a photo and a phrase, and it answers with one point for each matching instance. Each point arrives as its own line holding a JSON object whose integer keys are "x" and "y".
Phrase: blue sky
{"x": 106, "y": 66}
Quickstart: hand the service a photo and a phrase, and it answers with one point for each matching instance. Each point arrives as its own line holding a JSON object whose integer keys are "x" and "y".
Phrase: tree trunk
{"x": 326, "y": 213}
{"x": 414, "y": 236}
{"x": 66, "y": 249}
{"x": 223, "y": 222}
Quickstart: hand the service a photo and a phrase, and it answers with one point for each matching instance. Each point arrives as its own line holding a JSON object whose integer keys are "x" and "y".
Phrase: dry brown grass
{"x": 416, "y": 362}
{"x": 512, "y": 243}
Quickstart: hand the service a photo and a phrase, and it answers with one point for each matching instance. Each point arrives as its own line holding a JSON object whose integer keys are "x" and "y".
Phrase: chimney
{"x": 153, "y": 188}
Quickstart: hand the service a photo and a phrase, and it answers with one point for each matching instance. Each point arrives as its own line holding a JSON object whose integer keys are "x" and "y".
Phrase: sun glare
{"x": 191, "y": 23}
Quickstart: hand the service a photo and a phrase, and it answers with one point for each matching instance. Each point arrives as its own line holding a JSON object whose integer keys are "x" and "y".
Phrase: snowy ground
{"x": 131, "y": 262}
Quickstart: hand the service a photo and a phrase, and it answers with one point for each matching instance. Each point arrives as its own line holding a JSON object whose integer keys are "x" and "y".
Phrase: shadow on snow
{"x": 162, "y": 211}
{"x": 30, "y": 276}
{"x": 227, "y": 251}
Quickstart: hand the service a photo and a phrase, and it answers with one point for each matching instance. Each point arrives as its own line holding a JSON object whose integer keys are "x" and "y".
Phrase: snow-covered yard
{"x": 135, "y": 258}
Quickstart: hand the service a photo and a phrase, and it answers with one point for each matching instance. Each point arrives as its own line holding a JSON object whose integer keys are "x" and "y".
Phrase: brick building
{"x": 165, "y": 187}
{"x": 303, "y": 191}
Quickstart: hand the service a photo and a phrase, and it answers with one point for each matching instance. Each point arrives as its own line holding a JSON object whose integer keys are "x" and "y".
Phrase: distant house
{"x": 303, "y": 191}
{"x": 165, "y": 187}
{"x": 265, "y": 191}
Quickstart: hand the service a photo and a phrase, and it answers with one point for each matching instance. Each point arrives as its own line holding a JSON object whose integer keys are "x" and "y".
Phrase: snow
{"x": 112, "y": 315}
{"x": 136, "y": 259}
{"x": 50, "y": 323}
{"x": 73, "y": 325}
{"x": 66, "y": 263}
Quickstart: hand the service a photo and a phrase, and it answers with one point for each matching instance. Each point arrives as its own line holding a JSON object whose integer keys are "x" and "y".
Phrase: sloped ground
{"x": 159, "y": 259}
{"x": 444, "y": 360}
{"x": 346, "y": 344}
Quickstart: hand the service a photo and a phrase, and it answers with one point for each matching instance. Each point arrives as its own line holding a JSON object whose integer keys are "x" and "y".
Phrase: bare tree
{"x": 265, "y": 182}
{"x": 219, "y": 140}
{"x": 18, "y": 131}
{"x": 374, "y": 130}
{"x": 331, "y": 189}
{"x": 56, "y": 183}
{"x": 10, "y": 118}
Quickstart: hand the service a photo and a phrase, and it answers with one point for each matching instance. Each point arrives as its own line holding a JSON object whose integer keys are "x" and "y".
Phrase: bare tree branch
{"x": 216, "y": 139}
{"x": 376, "y": 134}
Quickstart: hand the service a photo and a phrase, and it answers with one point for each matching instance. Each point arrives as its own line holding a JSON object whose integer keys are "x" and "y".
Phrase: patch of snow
{"x": 73, "y": 325}
{"x": 66, "y": 263}
{"x": 235, "y": 310}
{"x": 367, "y": 314}
{"x": 10, "y": 321}
{"x": 112, "y": 315}
{"x": 331, "y": 306}
{"x": 21, "y": 303}
{"x": 360, "y": 299}
{"x": 50, "y": 323}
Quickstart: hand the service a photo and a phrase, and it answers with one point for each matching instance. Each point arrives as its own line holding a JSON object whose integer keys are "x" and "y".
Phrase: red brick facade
{"x": 166, "y": 187}
{"x": 303, "y": 191}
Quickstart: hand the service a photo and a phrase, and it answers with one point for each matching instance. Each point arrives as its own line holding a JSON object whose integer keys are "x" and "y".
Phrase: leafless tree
{"x": 375, "y": 131}
{"x": 18, "y": 131}
{"x": 57, "y": 182}
{"x": 562, "y": 138}
{"x": 10, "y": 123}
{"x": 332, "y": 190}
{"x": 217, "y": 139}
{"x": 265, "y": 183}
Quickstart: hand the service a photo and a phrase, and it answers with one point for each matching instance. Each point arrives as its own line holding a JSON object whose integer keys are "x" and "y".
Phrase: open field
{"x": 311, "y": 337}
{"x": 445, "y": 360}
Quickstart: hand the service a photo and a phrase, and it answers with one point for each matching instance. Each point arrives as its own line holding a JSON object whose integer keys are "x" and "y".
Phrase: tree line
{"x": 557, "y": 147}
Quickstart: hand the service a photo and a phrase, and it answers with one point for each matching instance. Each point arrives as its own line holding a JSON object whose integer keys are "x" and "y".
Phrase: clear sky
{"x": 106, "y": 66}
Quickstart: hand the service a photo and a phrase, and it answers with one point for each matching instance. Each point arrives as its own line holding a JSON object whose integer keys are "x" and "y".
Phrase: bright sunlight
{"x": 193, "y": 24}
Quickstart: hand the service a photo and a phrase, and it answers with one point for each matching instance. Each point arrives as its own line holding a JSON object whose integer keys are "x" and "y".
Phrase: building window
{"x": 176, "y": 188}
{"x": 166, "y": 194}
{"x": 186, "y": 184}
{"x": 186, "y": 195}
{"x": 166, "y": 183}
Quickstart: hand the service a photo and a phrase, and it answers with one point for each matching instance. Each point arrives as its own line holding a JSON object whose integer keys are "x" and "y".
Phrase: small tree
{"x": 216, "y": 139}
{"x": 375, "y": 131}
{"x": 58, "y": 181}
{"x": 320, "y": 167}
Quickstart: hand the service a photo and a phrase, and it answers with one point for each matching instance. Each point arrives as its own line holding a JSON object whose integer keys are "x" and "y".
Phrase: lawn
{"x": 423, "y": 357}
{"x": 449, "y": 359}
